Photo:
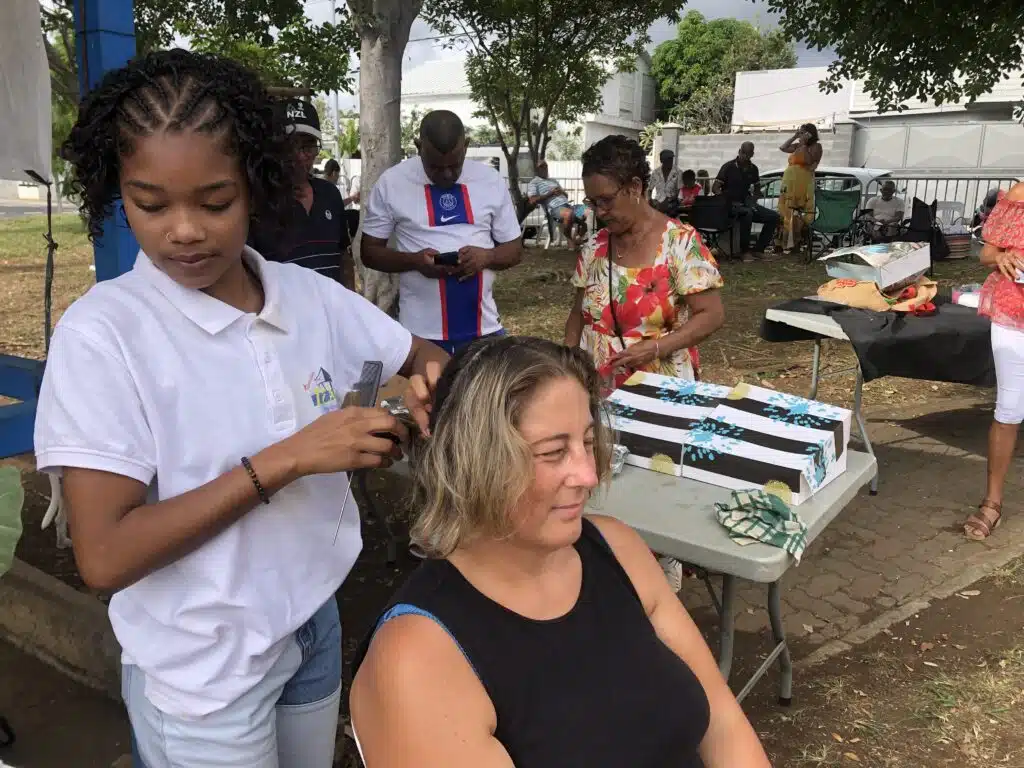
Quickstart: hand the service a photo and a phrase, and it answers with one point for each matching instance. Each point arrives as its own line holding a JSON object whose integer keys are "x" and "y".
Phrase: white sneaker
{"x": 673, "y": 572}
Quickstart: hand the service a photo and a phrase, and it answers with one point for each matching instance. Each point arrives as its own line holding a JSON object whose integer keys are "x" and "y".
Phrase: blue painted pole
{"x": 105, "y": 40}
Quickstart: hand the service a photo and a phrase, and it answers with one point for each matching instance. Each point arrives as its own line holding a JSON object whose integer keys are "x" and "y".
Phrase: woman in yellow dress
{"x": 796, "y": 200}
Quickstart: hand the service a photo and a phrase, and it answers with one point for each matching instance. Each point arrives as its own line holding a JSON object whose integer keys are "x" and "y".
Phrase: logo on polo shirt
{"x": 447, "y": 202}
{"x": 327, "y": 215}
{"x": 320, "y": 389}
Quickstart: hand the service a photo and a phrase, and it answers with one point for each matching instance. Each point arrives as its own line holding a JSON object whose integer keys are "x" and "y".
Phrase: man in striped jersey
{"x": 317, "y": 237}
{"x": 452, "y": 225}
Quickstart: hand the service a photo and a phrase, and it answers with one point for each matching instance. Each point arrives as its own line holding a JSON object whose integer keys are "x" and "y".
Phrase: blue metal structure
{"x": 105, "y": 39}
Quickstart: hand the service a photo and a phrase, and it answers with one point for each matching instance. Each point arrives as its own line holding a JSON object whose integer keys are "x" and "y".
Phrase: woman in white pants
{"x": 1002, "y": 299}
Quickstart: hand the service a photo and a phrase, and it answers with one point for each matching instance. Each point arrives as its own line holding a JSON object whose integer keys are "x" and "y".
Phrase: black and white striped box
{"x": 653, "y": 414}
{"x": 759, "y": 438}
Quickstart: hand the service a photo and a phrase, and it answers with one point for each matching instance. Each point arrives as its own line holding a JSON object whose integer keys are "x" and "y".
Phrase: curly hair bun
{"x": 178, "y": 91}
{"x": 618, "y": 157}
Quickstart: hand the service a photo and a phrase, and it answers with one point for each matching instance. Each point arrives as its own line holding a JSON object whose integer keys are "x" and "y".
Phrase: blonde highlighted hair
{"x": 476, "y": 465}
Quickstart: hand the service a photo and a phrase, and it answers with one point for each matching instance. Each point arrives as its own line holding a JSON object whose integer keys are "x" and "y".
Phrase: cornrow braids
{"x": 176, "y": 91}
{"x": 620, "y": 158}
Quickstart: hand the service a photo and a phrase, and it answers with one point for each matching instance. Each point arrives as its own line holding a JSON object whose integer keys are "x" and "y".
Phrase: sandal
{"x": 979, "y": 526}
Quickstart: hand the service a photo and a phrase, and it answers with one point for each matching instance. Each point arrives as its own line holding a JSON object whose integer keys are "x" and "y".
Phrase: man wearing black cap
{"x": 318, "y": 236}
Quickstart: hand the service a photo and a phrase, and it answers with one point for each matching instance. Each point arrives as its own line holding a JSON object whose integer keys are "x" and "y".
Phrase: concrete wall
{"x": 923, "y": 145}
{"x": 16, "y": 190}
{"x": 711, "y": 151}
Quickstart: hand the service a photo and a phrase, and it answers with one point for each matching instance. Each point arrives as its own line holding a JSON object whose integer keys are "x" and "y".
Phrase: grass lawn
{"x": 533, "y": 299}
{"x": 22, "y": 273}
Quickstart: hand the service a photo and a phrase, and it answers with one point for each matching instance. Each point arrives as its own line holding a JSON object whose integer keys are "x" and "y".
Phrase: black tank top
{"x": 595, "y": 688}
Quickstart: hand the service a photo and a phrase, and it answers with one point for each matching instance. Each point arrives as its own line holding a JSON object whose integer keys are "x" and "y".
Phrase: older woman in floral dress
{"x": 646, "y": 286}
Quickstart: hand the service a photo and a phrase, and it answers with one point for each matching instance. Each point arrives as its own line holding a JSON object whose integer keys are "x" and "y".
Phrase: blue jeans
{"x": 451, "y": 347}
{"x": 296, "y": 729}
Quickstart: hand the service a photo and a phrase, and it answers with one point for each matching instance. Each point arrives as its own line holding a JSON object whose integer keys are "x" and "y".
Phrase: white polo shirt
{"x": 171, "y": 387}
{"x": 477, "y": 211}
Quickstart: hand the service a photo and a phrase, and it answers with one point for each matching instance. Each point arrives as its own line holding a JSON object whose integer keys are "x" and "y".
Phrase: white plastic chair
{"x": 949, "y": 213}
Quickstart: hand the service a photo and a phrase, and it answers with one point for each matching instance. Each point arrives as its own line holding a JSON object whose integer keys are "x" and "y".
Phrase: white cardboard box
{"x": 890, "y": 265}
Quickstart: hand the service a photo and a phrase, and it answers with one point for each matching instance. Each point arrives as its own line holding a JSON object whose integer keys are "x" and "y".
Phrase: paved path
{"x": 900, "y": 546}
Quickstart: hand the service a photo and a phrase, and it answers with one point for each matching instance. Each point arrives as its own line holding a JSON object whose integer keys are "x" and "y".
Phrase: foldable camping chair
{"x": 712, "y": 217}
{"x": 923, "y": 227}
{"x": 835, "y": 219}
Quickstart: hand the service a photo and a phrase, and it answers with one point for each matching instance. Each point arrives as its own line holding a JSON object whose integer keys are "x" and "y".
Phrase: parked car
{"x": 826, "y": 177}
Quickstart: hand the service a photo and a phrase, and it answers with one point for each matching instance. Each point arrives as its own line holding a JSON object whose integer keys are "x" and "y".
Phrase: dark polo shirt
{"x": 738, "y": 182}
{"x": 317, "y": 240}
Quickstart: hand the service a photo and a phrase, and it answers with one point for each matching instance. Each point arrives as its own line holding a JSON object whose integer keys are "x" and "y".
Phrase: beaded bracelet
{"x": 260, "y": 491}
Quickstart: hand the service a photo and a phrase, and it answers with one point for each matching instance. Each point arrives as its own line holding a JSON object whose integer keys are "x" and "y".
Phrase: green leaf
{"x": 906, "y": 51}
{"x": 273, "y": 37}
{"x": 622, "y": 287}
{"x": 535, "y": 64}
{"x": 12, "y": 499}
{"x": 695, "y": 72}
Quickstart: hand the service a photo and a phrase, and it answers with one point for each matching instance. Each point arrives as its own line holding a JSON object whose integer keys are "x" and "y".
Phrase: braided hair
{"x": 175, "y": 91}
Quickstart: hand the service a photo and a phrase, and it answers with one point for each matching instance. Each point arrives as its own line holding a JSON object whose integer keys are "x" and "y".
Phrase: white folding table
{"x": 676, "y": 517}
{"x": 825, "y": 327}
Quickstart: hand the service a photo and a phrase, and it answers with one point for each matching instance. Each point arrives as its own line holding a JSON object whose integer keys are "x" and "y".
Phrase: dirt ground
{"x": 956, "y": 700}
{"x": 945, "y": 688}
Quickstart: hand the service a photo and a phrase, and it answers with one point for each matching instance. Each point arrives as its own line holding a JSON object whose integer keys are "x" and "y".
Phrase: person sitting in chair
{"x": 740, "y": 181}
{"x": 885, "y": 214}
{"x": 548, "y": 193}
{"x": 534, "y": 634}
{"x": 666, "y": 181}
{"x": 690, "y": 190}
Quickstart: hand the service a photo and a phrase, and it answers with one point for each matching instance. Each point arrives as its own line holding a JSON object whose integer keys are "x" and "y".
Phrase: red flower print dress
{"x": 649, "y": 301}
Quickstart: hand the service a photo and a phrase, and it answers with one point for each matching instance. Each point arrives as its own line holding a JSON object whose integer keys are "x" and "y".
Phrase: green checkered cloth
{"x": 758, "y": 516}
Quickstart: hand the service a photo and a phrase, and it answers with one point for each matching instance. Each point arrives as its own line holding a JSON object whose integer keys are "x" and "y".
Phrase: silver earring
{"x": 167, "y": 237}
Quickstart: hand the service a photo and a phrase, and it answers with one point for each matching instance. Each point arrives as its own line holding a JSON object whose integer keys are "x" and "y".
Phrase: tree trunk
{"x": 383, "y": 27}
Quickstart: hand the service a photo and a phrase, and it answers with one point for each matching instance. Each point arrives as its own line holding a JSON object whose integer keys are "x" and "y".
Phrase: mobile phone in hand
{"x": 447, "y": 259}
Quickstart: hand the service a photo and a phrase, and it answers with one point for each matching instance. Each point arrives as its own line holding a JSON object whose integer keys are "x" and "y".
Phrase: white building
{"x": 926, "y": 138}
{"x": 627, "y": 98}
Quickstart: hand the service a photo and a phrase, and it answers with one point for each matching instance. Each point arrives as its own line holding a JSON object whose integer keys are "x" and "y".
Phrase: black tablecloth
{"x": 953, "y": 345}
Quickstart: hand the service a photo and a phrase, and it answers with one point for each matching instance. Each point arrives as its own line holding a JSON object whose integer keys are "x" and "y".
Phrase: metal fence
{"x": 957, "y": 196}
{"x": 968, "y": 191}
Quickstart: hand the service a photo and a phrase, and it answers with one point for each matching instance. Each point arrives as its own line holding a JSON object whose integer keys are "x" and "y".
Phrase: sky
{"x": 422, "y": 48}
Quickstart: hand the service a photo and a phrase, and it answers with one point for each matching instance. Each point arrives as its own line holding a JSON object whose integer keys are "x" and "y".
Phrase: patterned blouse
{"x": 648, "y": 300}
{"x": 1002, "y": 299}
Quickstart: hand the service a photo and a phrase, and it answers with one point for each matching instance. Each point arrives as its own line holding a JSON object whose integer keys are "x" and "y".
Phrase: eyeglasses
{"x": 603, "y": 202}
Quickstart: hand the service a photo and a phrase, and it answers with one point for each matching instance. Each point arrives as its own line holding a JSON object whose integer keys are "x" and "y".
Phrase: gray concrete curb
{"x": 956, "y": 583}
{"x": 61, "y": 626}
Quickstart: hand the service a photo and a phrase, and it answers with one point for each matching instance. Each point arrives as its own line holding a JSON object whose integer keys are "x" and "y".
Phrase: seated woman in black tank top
{"x": 534, "y": 636}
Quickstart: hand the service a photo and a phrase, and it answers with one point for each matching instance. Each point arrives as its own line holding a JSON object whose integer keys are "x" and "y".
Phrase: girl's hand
{"x": 345, "y": 440}
{"x": 419, "y": 396}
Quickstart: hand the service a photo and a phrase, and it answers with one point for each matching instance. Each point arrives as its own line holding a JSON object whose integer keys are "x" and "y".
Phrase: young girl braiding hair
{"x": 193, "y": 408}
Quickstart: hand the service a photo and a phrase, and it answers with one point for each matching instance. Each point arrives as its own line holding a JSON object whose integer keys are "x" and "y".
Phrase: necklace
{"x": 639, "y": 238}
